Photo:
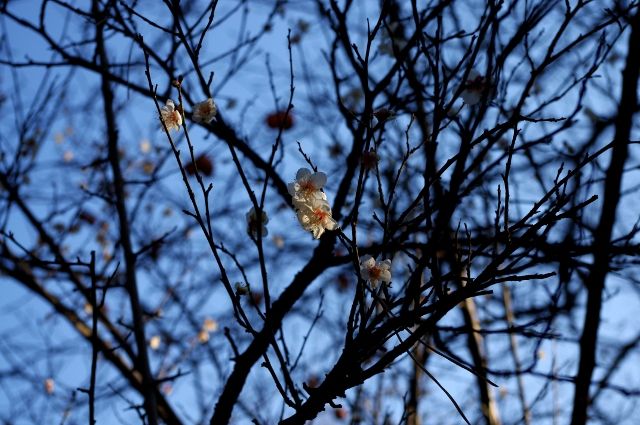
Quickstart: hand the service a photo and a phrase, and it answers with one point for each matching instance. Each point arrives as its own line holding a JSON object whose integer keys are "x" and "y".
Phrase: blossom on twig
{"x": 171, "y": 116}
{"x": 315, "y": 217}
{"x": 312, "y": 209}
{"x": 307, "y": 186}
{"x": 204, "y": 111}
{"x": 375, "y": 271}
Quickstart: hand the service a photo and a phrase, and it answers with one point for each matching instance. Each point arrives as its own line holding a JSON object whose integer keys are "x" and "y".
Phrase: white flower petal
{"x": 302, "y": 218}
{"x": 385, "y": 276}
{"x": 303, "y": 174}
{"x": 320, "y": 195}
{"x": 369, "y": 262}
{"x": 319, "y": 180}
{"x": 291, "y": 187}
{"x": 318, "y": 231}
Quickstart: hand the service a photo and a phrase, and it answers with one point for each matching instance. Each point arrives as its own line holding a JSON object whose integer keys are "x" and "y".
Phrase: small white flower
{"x": 315, "y": 217}
{"x": 474, "y": 88}
{"x": 205, "y": 111}
{"x": 307, "y": 186}
{"x": 375, "y": 271}
{"x": 253, "y": 224}
{"x": 171, "y": 116}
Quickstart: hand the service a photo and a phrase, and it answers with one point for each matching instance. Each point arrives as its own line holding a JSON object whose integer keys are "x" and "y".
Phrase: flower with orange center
{"x": 171, "y": 116}
{"x": 205, "y": 111}
{"x": 307, "y": 187}
{"x": 316, "y": 217}
{"x": 310, "y": 202}
{"x": 375, "y": 271}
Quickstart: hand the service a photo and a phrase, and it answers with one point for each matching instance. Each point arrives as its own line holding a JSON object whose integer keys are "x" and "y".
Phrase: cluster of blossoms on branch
{"x": 310, "y": 202}
{"x": 203, "y": 112}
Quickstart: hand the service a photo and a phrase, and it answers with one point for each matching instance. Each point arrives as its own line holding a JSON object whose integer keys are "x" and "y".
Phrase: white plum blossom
{"x": 375, "y": 271}
{"x": 171, "y": 116}
{"x": 307, "y": 187}
{"x": 315, "y": 217}
{"x": 474, "y": 88}
{"x": 204, "y": 111}
{"x": 253, "y": 224}
{"x": 310, "y": 202}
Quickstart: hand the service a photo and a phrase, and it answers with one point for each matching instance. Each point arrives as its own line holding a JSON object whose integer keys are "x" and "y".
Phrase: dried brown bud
{"x": 340, "y": 413}
{"x": 280, "y": 119}
{"x": 203, "y": 164}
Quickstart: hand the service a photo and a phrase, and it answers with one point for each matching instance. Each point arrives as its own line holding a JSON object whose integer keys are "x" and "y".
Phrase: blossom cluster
{"x": 203, "y": 112}
{"x": 312, "y": 209}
